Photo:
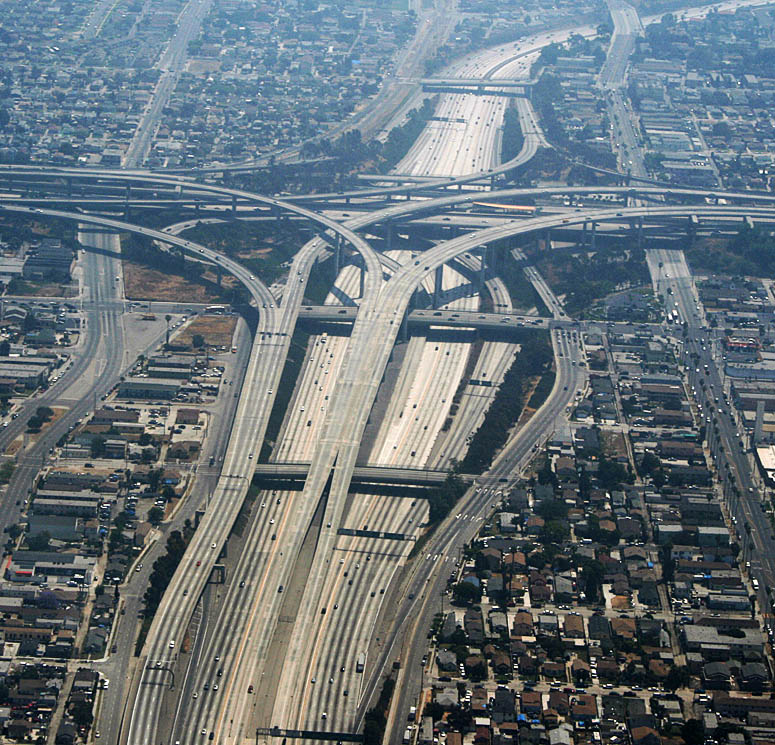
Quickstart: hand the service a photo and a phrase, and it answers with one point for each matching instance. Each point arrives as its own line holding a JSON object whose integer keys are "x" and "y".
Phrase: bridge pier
{"x": 233, "y": 204}
{"x": 691, "y": 229}
{"x": 362, "y": 282}
{"x": 584, "y": 234}
{"x": 548, "y": 239}
{"x": 389, "y": 236}
{"x": 483, "y": 266}
{"x": 338, "y": 255}
{"x": 438, "y": 287}
{"x": 640, "y": 232}
{"x": 594, "y": 235}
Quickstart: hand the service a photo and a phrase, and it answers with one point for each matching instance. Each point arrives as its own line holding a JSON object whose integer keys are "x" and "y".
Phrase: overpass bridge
{"x": 377, "y": 475}
{"x": 429, "y": 317}
{"x": 507, "y": 87}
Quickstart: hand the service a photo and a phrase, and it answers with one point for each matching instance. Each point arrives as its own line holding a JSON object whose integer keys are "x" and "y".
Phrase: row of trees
{"x": 534, "y": 358}
{"x": 442, "y": 499}
{"x": 42, "y": 415}
{"x": 375, "y": 720}
{"x": 513, "y": 137}
{"x": 163, "y": 569}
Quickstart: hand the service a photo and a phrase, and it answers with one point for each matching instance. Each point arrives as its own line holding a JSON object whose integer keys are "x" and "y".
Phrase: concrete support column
{"x": 438, "y": 286}
{"x": 492, "y": 181}
{"x": 548, "y": 239}
{"x": 584, "y": 235}
{"x": 69, "y": 186}
{"x": 404, "y": 333}
{"x": 233, "y": 203}
{"x": 640, "y": 232}
{"x": 594, "y": 234}
{"x": 691, "y": 229}
{"x": 483, "y": 267}
{"x": 389, "y": 236}
{"x": 362, "y": 282}
{"x": 338, "y": 255}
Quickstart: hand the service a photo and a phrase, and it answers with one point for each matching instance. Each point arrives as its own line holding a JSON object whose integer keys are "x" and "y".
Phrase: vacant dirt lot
{"x": 217, "y": 331}
{"x": 142, "y": 283}
{"x": 41, "y": 289}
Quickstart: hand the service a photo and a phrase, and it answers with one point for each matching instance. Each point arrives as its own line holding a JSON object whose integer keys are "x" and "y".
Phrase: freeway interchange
{"x": 304, "y": 556}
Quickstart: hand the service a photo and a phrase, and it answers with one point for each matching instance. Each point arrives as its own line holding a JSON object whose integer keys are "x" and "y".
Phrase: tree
{"x": 649, "y": 464}
{"x": 44, "y": 412}
{"x": 82, "y": 714}
{"x": 154, "y": 477}
{"x": 693, "y": 732}
{"x": 98, "y": 446}
{"x": 466, "y": 593}
{"x": 39, "y": 541}
{"x": 460, "y": 719}
{"x": 34, "y": 424}
{"x": 592, "y": 575}
{"x": 678, "y": 677}
{"x": 198, "y": 341}
{"x": 155, "y": 515}
{"x": 15, "y": 531}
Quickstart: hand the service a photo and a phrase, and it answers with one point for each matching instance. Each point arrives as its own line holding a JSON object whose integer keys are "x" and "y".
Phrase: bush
{"x": 6, "y": 471}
